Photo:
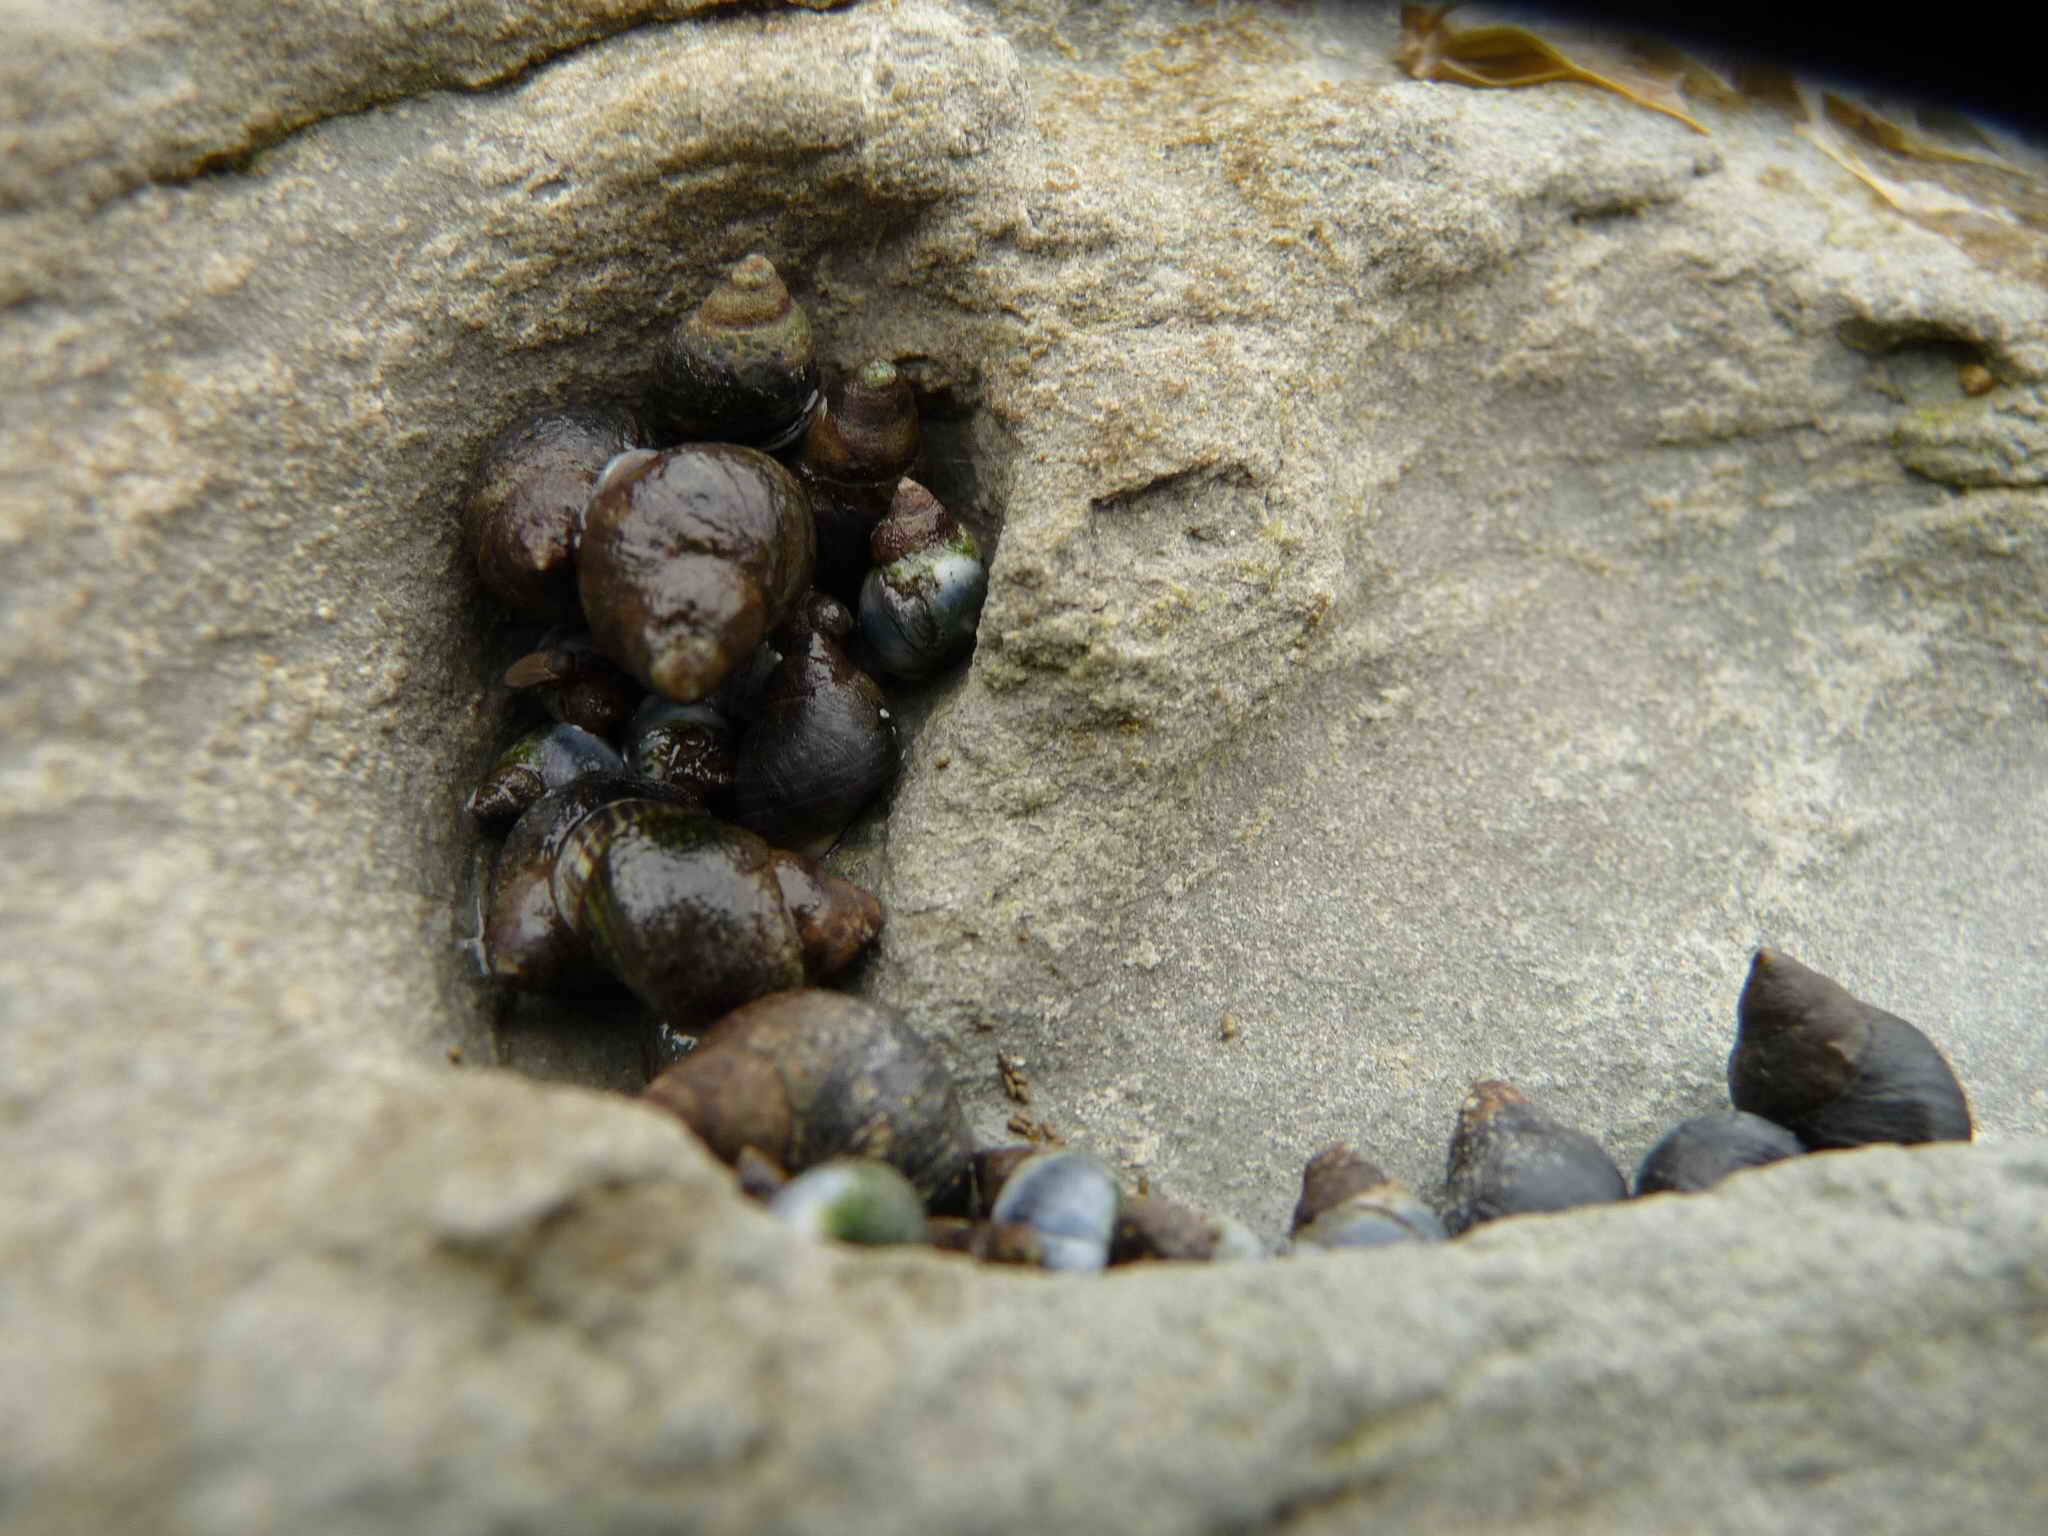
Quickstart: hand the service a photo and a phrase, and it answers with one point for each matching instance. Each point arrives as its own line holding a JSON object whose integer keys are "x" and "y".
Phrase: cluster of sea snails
{"x": 727, "y": 564}
{"x": 710, "y": 729}
{"x": 844, "y": 1120}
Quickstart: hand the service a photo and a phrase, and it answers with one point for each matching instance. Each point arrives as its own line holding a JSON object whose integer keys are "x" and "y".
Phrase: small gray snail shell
{"x": 1507, "y": 1158}
{"x": 1707, "y": 1148}
{"x": 523, "y": 513}
{"x": 545, "y": 758}
{"x": 696, "y": 916}
{"x": 1834, "y": 1070}
{"x": 821, "y": 744}
{"x": 739, "y": 368}
{"x": 1057, "y": 1210}
{"x": 922, "y": 601}
{"x": 852, "y": 1199}
{"x": 806, "y": 1076}
{"x": 689, "y": 558}
{"x": 1347, "y": 1202}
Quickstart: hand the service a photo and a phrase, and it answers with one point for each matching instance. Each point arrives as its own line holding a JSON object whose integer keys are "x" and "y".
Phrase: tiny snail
{"x": 1707, "y": 1148}
{"x": 921, "y": 602}
{"x": 859, "y": 445}
{"x": 1153, "y": 1227}
{"x": 1507, "y": 1158}
{"x": 1347, "y": 1202}
{"x": 1832, "y": 1069}
{"x": 545, "y": 758}
{"x": 576, "y": 683}
{"x": 1057, "y": 1210}
{"x": 807, "y": 1076}
{"x": 852, "y": 1199}
{"x": 524, "y": 509}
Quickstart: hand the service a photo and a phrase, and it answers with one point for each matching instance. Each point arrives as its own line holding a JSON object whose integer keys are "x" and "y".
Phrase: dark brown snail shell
{"x": 1508, "y": 1158}
{"x": 808, "y": 1076}
{"x": 1347, "y": 1202}
{"x": 696, "y": 916}
{"x": 739, "y": 367}
{"x": 545, "y": 758}
{"x": 821, "y": 744}
{"x": 687, "y": 744}
{"x": 1152, "y": 1227}
{"x": 524, "y": 508}
{"x": 527, "y": 940}
{"x": 1707, "y": 1148}
{"x": 577, "y": 684}
{"x": 858, "y": 446}
{"x": 689, "y": 559}
{"x": 1834, "y": 1070}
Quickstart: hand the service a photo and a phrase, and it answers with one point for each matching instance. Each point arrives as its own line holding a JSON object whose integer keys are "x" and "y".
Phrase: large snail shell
{"x": 1834, "y": 1070}
{"x": 1057, "y": 1210}
{"x": 525, "y": 504}
{"x": 739, "y": 367}
{"x": 692, "y": 915}
{"x": 821, "y": 744}
{"x": 1508, "y": 1158}
{"x": 689, "y": 558}
{"x": 545, "y": 758}
{"x": 921, "y": 602}
{"x": 1347, "y": 1202}
{"x": 527, "y": 940}
{"x": 859, "y": 445}
{"x": 808, "y": 1076}
{"x": 1707, "y": 1148}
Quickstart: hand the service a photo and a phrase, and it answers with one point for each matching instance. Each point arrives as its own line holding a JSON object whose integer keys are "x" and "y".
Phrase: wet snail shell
{"x": 1707, "y": 1148}
{"x": 1834, "y": 1070}
{"x": 689, "y": 558}
{"x": 852, "y": 1199}
{"x": 1057, "y": 1210}
{"x": 576, "y": 683}
{"x": 857, "y": 448}
{"x": 545, "y": 758}
{"x": 739, "y": 368}
{"x": 1347, "y": 1202}
{"x": 527, "y": 941}
{"x": 697, "y": 917}
{"x": 1507, "y": 1158}
{"x": 687, "y": 744}
{"x": 807, "y": 1076}
{"x": 821, "y": 744}
{"x": 524, "y": 509}
{"x": 922, "y": 600}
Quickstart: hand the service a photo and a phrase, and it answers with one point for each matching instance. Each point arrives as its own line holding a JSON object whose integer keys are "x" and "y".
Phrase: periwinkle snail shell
{"x": 1151, "y": 1227}
{"x": 1834, "y": 1070}
{"x": 688, "y": 744}
{"x": 527, "y": 940}
{"x": 1508, "y": 1158}
{"x": 1707, "y": 1148}
{"x": 806, "y": 1076}
{"x": 858, "y": 446}
{"x": 821, "y": 744}
{"x": 689, "y": 558}
{"x": 852, "y": 1199}
{"x": 545, "y": 758}
{"x": 576, "y": 683}
{"x": 922, "y": 600}
{"x": 523, "y": 513}
{"x": 1057, "y": 1210}
{"x": 1347, "y": 1202}
{"x": 739, "y": 368}
{"x": 697, "y": 917}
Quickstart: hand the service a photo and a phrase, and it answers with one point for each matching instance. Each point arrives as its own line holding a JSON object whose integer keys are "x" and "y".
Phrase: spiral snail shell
{"x": 1834, "y": 1070}
{"x": 858, "y": 446}
{"x": 806, "y": 1076}
{"x": 922, "y": 600}
{"x": 1508, "y": 1158}
{"x": 740, "y": 368}
{"x": 1057, "y": 1210}
{"x": 689, "y": 558}
{"x": 523, "y": 513}
{"x": 545, "y": 758}
{"x": 1347, "y": 1202}
{"x": 1707, "y": 1148}
{"x": 576, "y": 683}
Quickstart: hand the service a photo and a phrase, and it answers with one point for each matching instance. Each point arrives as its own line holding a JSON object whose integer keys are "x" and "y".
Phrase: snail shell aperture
{"x": 1832, "y": 1069}
{"x": 689, "y": 558}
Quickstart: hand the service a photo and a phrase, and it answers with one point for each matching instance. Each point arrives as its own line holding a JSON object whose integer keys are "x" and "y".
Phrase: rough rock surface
{"x": 1471, "y": 565}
